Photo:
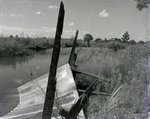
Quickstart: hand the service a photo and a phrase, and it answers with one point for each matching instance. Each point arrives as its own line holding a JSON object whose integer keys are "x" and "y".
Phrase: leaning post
{"x": 73, "y": 55}
{"x": 51, "y": 85}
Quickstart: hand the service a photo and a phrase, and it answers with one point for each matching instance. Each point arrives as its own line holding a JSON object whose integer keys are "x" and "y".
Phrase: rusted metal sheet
{"x": 32, "y": 96}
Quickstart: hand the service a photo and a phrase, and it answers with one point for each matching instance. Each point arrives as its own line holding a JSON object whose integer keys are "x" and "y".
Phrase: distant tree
{"x": 11, "y": 36}
{"x": 141, "y": 4}
{"x": 117, "y": 40}
{"x": 125, "y": 37}
{"x": 112, "y": 39}
{"x": 141, "y": 42}
{"x": 98, "y": 40}
{"x": 106, "y": 40}
{"x": 16, "y": 36}
{"x": 88, "y": 38}
{"x": 132, "y": 42}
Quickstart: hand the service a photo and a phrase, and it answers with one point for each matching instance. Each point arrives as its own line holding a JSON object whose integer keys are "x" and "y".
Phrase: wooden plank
{"x": 74, "y": 69}
{"x": 82, "y": 72}
{"x": 32, "y": 96}
{"x": 95, "y": 93}
{"x": 51, "y": 85}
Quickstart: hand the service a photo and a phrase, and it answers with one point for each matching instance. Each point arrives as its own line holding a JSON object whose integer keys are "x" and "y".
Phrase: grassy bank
{"x": 126, "y": 72}
{"x": 27, "y": 46}
{"x": 22, "y": 46}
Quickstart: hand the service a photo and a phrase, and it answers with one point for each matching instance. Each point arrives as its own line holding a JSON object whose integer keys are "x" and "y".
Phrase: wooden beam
{"x": 76, "y": 108}
{"x": 73, "y": 55}
{"x": 51, "y": 85}
{"x": 74, "y": 69}
{"x": 95, "y": 93}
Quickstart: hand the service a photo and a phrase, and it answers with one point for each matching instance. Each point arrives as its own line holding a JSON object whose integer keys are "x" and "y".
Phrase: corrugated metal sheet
{"x": 32, "y": 96}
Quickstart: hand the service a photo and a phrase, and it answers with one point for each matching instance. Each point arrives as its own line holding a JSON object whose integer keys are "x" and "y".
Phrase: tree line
{"x": 124, "y": 39}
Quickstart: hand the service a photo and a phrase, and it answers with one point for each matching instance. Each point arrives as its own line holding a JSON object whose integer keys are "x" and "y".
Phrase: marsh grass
{"x": 126, "y": 75}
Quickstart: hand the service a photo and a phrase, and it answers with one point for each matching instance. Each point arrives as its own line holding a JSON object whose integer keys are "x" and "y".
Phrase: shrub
{"x": 116, "y": 46}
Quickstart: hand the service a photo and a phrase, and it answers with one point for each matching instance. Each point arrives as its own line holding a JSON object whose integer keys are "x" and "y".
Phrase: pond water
{"x": 15, "y": 71}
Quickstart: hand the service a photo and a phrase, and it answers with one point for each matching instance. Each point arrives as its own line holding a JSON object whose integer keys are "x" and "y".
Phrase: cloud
{"x": 71, "y": 24}
{"x": 111, "y": 33}
{"x": 43, "y": 13}
{"x": 69, "y": 31}
{"x": 17, "y": 29}
{"x": 53, "y": 7}
{"x": 38, "y": 12}
{"x": 16, "y": 15}
{"x": 48, "y": 29}
{"x": 12, "y": 28}
{"x": 103, "y": 14}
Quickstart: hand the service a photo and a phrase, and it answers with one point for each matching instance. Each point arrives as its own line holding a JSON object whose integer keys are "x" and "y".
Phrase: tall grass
{"x": 126, "y": 74}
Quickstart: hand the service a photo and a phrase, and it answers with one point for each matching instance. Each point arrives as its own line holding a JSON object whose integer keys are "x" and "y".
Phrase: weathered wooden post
{"x": 76, "y": 108}
{"x": 51, "y": 86}
{"x": 73, "y": 55}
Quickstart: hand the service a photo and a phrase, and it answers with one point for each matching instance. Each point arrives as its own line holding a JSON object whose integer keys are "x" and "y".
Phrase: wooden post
{"x": 76, "y": 108}
{"x": 73, "y": 55}
{"x": 51, "y": 86}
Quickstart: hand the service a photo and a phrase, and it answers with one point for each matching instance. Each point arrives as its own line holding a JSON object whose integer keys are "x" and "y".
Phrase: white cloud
{"x": 32, "y": 33}
{"x": 53, "y": 7}
{"x": 43, "y": 13}
{"x": 111, "y": 33}
{"x": 12, "y": 28}
{"x": 17, "y": 29}
{"x": 70, "y": 31}
{"x": 12, "y": 15}
{"x": 71, "y": 24}
{"x": 103, "y": 14}
{"x": 16, "y": 15}
{"x": 48, "y": 29}
{"x": 38, "y": 12}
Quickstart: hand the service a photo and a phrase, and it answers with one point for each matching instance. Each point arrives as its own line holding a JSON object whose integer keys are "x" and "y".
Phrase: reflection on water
{"x": 15, "y": 71}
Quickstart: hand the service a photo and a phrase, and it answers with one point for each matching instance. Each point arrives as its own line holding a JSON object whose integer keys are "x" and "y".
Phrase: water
{"x": 15, "y": 71}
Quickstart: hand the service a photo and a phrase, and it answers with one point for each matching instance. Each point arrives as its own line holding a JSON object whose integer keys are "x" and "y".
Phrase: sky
{"x": 101, "y": 18}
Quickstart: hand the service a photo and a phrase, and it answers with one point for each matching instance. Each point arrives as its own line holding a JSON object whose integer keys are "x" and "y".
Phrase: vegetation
{"x": 15, "y": 46}
{"x": 126, "y": 73}
{"x": 88, "y": 38}
{"x": 125, "y": 37}
{"x": 141, "y": 4}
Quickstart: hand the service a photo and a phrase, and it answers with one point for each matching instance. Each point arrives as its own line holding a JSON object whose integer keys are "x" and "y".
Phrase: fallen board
{"x": 32, "y": 96}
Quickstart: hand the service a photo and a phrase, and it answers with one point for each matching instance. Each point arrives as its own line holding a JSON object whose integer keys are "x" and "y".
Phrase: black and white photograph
{"x": 74, "y": 59}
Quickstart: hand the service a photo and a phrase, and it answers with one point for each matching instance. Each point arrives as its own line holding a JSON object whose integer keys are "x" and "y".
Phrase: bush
{"x": 116, "y": 46}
